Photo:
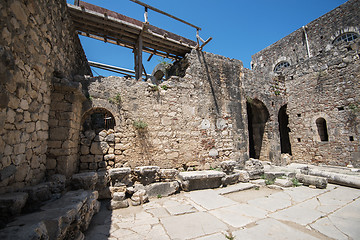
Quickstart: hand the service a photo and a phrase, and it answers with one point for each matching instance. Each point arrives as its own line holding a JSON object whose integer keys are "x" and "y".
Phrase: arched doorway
{"x": 258, "y": 115}
{"x": 98, "y": 119}
{"x": 284, "y": 130}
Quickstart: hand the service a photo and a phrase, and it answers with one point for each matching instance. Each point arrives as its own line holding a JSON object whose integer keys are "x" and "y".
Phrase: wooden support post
{"x": 138, "y": 58}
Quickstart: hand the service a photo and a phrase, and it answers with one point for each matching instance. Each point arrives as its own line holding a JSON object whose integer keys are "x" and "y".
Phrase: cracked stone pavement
{"x": 294, "y": 213}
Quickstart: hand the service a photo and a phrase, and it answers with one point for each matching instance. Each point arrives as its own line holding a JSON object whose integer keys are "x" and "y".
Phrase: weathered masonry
{"x": 299, "y": 102}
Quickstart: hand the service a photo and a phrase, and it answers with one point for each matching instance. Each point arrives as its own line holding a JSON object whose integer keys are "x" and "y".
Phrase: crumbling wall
{"x": 192, "y": 121}
{"x": 37, "y": 41}
{"x": 326, "y": 86}
{"x": 320, "y": 35}
{"x": 309, "y": 89}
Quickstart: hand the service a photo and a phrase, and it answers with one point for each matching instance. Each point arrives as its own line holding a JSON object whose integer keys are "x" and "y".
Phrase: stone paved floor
{"x": 294, "y": 213}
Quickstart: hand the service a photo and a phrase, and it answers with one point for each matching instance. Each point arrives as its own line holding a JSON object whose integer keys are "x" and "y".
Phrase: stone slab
{"x": 162, "y": 188}
{"x": 180, "y": 209}
{"x": 272, "y": 203}
{"x": 209, "y": 199}
{"x": 341, "y": 224}
{"x": 303, "y": 213}
{"x": 272, "y": 229}
{"x": 192, "y": 225}
{"x": 200, "y": 175}
{"x": 239, "y": 215}
{"x": 235, "y": 188}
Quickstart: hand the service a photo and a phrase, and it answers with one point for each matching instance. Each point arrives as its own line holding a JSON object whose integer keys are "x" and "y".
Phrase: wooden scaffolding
{"x": 108, "y": 26}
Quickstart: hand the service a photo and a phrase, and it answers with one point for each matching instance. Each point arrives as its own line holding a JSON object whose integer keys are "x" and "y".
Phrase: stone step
{"x": 65, "y": 218}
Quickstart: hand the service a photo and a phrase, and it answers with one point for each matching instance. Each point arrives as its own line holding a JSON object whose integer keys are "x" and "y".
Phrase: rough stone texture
{"x": 228, "y": 166}
{"x": 320, "y": 85}
{"x": 230, "y": 179}
{"x": 200, "y": 180}
{"x": 255, "y": 168}
{"x": 168, "y": 175}
{"x": 34, "y": 49}
{"x": 119, "y": 176}
{"x": 147, "y": 174}
{"x": 65, "y": 218}
{"x": 194, "y": 134}
{"x": 86, "y": 181}
{"x": 243, "y": 175}
{"x": 162, "y": 189}
{"x": 11, "y": 205}
{"x": 319, "y": 182}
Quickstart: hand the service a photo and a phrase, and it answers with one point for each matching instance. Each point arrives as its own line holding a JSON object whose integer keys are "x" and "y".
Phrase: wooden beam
{"x": 164, "y": 13}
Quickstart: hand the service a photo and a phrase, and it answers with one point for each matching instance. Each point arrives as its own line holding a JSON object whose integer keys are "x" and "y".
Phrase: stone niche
{"x": 97, "y": 141}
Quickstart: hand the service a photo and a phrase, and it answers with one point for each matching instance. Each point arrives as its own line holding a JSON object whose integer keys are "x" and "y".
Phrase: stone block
{"x": 84, "y": 150}
{"x": 86, "y": 181}
{"x": 147, "y": 174}
{"x": 110, "y": 138}
{"x": 11, "y": 204}
{"x": 120, "y": 176}
{"x": 197, "y": 180}
{"x": 108, "y": 157}
{"x": 98, "y": 148}
{"x": 228, "y": 166}
{"x": 93, "y": 166}
{"x": 64, "y": 218}
{"x": 7, "y": 172}
{"x": 38, "y": 193}
{"x": 102, "y": 185}
{"x": 273, "y": 175}
{"x": 319, "y": 182}
{"x": 243, "y": 175}
{"x": 118, "y": 196}
{"x": 139, "y": 197}
{"x": 254, "y": 167}
{"x": 168, "y": 175}
{"x": 283, "y": 182}
{"x": 230, "y": 179}
{"x": 87, "y": 158}
{"x": 118, "y": 204}
{"x": 162, "y": 188}
{"x": 57, "y": 183}
{"x": 90, "y": 134}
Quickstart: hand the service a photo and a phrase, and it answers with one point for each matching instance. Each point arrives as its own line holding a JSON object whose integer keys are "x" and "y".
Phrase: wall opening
{"x": 258, "y": 115}
{"x": 322, "y": 129}
{"x": 284, "y": 130}
{"x": 98, "y": 119}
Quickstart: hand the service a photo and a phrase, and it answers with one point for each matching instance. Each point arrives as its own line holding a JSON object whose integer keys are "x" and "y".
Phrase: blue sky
{"x": 239, "y": 28}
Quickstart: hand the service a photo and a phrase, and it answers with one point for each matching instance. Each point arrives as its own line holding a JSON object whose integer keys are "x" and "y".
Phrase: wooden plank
{"x": 161, "y": 40}
{"x": 164, "y": 13}
{"x": 130, "y": 44}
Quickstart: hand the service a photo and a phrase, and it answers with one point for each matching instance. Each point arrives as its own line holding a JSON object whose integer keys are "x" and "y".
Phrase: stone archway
{"x": 97, "y": 119}
{"x": 97, "y": 140}
{"x": 258, "y": 115}
{"x": 284, "y": 130}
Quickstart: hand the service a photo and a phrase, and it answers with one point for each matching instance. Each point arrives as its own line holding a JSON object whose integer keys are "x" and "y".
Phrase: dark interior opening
{"x": 98, "y": 119}
{"x": 284, "y": 130}
{"x": 322, "y": 129}
{"x": 258, "y": 115}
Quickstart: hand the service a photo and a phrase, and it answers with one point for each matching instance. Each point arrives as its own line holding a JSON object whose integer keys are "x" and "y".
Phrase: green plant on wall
{"x": 354, "y": 107}
{"x": 116, "y": 99}
{"x": 140, "y": 125}
{"x": 154, "y": 88}
{"x": 164, "y": 87}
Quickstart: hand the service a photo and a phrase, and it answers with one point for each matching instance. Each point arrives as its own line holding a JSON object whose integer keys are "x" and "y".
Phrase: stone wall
{"x": 326, "y": 86}
{"x": 321, "y": 83}
{"x": 192, "y": 121}
{"x": 320, "y": 35}
{"x": 33, "y": 48}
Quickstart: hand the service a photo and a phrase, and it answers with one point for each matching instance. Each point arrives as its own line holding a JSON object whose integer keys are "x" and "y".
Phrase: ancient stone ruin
{"x": 68, "y": 138}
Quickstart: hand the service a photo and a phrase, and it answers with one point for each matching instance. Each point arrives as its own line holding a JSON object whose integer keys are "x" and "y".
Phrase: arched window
{"x": 322, "y": 129}
{"x": 280, "y": 66}
{"x": 346, "y": 37}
